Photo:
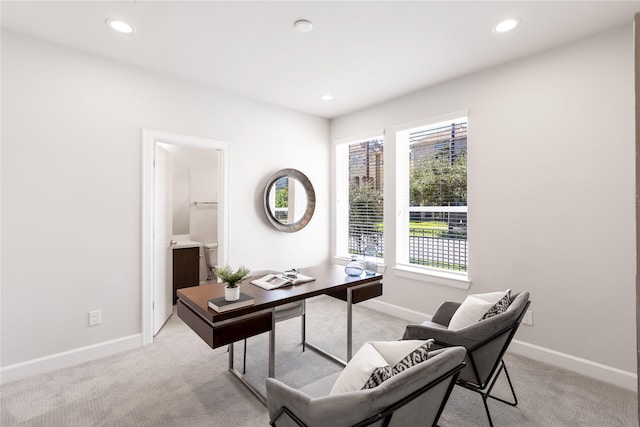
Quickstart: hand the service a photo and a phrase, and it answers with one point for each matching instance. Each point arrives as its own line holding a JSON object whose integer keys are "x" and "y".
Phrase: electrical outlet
{"x": 95, "y": 317}
{"x": 528, "y": 318}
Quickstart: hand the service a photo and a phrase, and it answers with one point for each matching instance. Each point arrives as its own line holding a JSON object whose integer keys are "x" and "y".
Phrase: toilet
{"x": 211, "y": 259}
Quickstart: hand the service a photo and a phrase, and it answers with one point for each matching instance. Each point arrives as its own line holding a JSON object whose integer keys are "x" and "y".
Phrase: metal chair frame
{"x": 484, "y": 388}
{"x": 387, "y": 413}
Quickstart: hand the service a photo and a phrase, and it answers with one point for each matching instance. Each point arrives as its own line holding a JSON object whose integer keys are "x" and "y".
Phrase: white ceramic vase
{"x": 232, "y": 294}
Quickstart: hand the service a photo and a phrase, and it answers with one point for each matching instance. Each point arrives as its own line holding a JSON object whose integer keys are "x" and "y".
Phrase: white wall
{"x": 71, "y": 188}
{"x": 180, "y": 200}
{"x": 551, "y": 192}
{"x": 204, "y": 218}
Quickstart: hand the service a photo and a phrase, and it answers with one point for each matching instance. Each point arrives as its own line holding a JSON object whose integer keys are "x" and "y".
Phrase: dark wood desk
{"x": 218, "y": 329}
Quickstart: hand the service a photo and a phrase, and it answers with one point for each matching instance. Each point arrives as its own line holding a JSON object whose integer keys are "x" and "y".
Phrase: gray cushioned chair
{"x": 413, "y": 397}
{"x": 486, "y": 342}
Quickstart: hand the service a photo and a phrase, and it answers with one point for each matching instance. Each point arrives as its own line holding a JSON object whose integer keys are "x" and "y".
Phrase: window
{"x": 360, "y": 194}
{"x": 281, "y": 210}
{"x": 432, "y": 195}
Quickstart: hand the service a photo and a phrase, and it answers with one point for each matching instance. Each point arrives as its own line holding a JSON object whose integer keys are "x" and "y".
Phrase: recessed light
{"x": 326, "y": 97}
{"x": 506, "y": 25}
{"x": 120, "y": 26}
{"x": 303, "y": 26}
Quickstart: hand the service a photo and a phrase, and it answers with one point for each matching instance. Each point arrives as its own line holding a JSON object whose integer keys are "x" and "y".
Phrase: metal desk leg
{"x": 272, "y": 351}
{"x": 272, "y": 346}
{"x": 304, "y": 324}
{"x": 349, "y": 331}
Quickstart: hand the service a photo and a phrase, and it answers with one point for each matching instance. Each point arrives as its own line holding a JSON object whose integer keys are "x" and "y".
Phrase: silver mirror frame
{"x": 311, "y": 200}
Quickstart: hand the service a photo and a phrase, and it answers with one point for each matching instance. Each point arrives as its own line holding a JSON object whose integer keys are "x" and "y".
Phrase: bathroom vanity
{"x": 186, "y": 266}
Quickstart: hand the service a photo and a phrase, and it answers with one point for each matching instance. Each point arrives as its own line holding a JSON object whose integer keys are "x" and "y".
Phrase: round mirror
{"x": 289, "y": 200}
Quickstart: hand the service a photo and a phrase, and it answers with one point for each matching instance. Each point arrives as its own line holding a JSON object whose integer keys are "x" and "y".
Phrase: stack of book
{"x": 221, "y": 305}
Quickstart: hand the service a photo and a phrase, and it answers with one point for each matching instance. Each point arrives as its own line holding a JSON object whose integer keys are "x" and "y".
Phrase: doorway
{"x": 157, "y": 212}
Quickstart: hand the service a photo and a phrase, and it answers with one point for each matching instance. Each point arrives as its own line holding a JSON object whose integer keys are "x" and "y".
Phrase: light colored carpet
{"x": 180, "y": 381}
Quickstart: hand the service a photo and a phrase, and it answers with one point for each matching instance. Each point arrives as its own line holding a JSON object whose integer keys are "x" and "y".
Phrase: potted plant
{"x": 232, "y": 279}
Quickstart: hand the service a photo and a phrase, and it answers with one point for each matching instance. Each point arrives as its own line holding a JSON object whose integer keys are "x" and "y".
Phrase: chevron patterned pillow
{"x": 500, "y": 307}
{"x": 372, "y": 364}
{"x": 418, "y": 355}
{"x": 366, "y": 369}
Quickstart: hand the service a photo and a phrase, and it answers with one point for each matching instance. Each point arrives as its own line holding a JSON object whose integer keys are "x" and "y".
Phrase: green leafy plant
{"x": 232, "y": 278}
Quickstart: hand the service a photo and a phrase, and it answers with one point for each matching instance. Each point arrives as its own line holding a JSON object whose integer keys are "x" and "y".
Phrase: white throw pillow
{"x": 394, "y": 351}
{"x": 403, "y": 354}
{"x": 366, "y": 367}
{"x": 473, "y": 308}
{"x": 376, "y": 361}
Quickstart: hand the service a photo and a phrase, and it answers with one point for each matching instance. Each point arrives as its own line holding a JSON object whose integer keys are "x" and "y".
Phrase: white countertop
{"x": 187, "y": 244}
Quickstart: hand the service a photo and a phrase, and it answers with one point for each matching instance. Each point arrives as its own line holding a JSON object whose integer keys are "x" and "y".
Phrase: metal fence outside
{"x": 441, "y": 243}
{"x": 448, "y": 252}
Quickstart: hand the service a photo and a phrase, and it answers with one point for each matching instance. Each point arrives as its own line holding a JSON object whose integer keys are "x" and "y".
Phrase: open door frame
{"x": 149, "y": 139}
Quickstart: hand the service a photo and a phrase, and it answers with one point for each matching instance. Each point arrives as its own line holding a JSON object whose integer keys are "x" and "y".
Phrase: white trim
{"x": 438, "y": 208}
{"x": 431, "y": 120}
{"x": 396, "y": 311}
{"x": 339, "y": 172}
{"x": 608, "y": 374}
{"x": 65, "y": 359}
{"x": 340, "y": 200}
{"x": 604, "y": 373}
{"x": 149, "y": 138}
{"x": 401, "y": 199}
{"x": 340, "y": 190}
{"x": 431, "y": 275}
{"x": 403, "y": 208}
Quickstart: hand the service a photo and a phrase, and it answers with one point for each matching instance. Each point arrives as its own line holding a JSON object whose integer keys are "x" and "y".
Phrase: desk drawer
{"x": 218, "y": 335}
{"x": 360, "y": 294}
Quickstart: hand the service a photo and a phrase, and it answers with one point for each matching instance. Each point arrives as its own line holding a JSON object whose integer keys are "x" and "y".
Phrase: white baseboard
{"x": 605, "y": 373}
{"x": 396, "y": 311}
{"x": 65, "y": 359}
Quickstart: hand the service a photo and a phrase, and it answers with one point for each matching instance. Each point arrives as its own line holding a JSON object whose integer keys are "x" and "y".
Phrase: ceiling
{"x": 361, "y": 52}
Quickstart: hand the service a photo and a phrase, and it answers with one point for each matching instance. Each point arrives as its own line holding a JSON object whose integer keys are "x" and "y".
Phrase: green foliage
{"x": 365, "y": 209}
{"x": 427, "y": 228}
{"x": 232, "y": 278}
{"x": 428, "y": 225}
{"x": 435, "y": 229}
{"x": 364, "y": 193}
{"x": 282, "y": 197}
{"x": 437, "y": 181}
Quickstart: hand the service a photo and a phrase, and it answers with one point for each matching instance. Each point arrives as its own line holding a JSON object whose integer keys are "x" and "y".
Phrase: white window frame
{"x": 402, "y": 267}
{"x": 341, "y": 190}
